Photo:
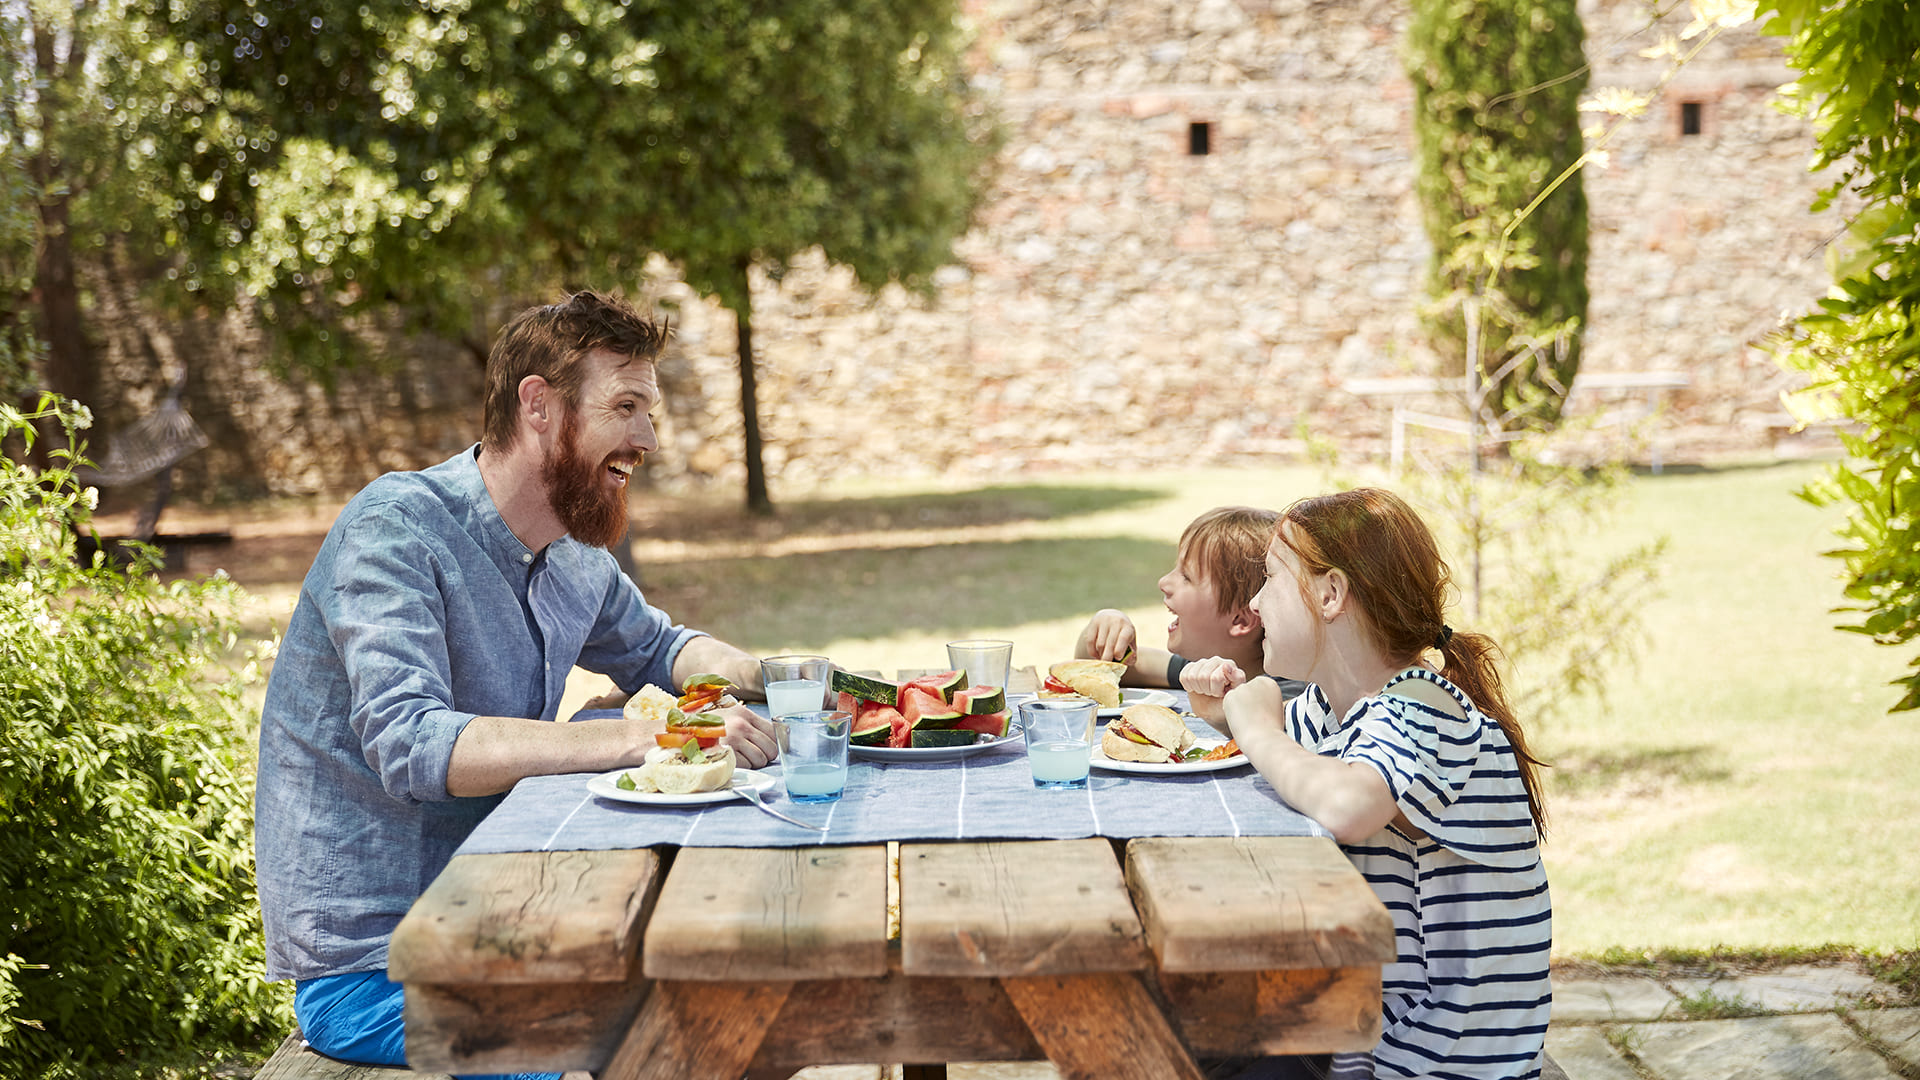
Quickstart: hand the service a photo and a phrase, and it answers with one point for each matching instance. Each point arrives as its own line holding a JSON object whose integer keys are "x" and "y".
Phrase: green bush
{"x": 129, "y": 929}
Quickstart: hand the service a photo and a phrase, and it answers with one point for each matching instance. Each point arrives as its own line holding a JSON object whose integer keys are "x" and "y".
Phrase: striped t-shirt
{"x": 1469, "y": 994}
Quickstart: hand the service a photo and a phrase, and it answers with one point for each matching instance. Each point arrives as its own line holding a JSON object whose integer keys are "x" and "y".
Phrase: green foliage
{"x": 353, "y": 156}
{"x": 1860, "y": 82}
{"x": 129, "y": 926}
{"x": 1496, "y": 116}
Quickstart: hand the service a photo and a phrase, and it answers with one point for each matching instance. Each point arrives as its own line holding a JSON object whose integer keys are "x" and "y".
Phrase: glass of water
{"x": 1059, "y": 735}
{"x": 795, "y": 684}
{"x": 813, "y": 754}
{"x": 987, "y": 663}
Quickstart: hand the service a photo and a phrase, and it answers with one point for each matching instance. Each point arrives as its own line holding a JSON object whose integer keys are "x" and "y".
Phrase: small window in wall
{"x": 1199, "y": 138}
{"x": 1689, "y": 118}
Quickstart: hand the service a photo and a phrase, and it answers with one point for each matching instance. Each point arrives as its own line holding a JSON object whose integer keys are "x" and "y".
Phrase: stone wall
{"x": 1123, "y": 302}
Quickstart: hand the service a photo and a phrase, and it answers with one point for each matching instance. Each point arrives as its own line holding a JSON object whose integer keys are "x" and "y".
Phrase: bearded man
{"x": 422, "y": 670}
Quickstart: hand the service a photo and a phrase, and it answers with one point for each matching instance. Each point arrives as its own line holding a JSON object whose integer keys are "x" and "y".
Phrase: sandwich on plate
{"x": 681, "y": 770}
{"x": 1147, "y": 733}
{"x": 1097, "y": 679}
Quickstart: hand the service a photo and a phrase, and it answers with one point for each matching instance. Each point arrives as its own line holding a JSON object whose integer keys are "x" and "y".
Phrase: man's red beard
{"x": 576, "y": 492}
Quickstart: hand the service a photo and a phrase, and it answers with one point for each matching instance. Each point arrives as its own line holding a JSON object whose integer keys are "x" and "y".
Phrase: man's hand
{"x": 1206, "y": 683}
{"x": 1109, "y": 635}
{"x": 753, "y": 738}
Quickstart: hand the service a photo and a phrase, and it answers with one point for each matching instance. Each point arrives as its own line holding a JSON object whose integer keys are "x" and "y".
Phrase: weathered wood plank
{"x": 1028, "y": 908}
{"x": 1255, "y": 903}
{"x": 1100, "y": 1027}
{"x": 771, "y": 914}
{"x": 1300, "y": 1011}
{"x": 470, "y": 1028}
{"x": 896, "y": 1019}
{"x": 294, "y": 1061}
{"x": 697, "y": 1031}
{"x": 559, "y": 916}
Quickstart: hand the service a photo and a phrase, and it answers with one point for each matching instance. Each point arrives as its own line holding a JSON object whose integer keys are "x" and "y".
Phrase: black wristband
{"x": 1175, "y": 664}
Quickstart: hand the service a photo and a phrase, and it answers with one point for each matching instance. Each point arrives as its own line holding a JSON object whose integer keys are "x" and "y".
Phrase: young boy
{"x": 1218, "y": 569}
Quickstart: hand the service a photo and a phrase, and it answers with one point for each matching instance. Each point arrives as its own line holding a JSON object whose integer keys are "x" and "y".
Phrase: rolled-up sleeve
{"x": 386, "y": 616}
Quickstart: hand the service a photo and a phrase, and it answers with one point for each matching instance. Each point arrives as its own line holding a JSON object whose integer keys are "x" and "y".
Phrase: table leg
{"x": 1100, "y": 1027}
{"x": 697, "y": 1031}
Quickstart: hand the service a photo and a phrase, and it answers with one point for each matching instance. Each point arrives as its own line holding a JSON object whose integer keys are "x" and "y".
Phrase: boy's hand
{"x": 1207, "y": 682}
{"x": 1109, "y": 635}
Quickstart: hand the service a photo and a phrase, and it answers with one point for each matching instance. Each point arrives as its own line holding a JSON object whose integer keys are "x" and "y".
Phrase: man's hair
{"x": 1228, "y": 547}
{"x": 550, "y": 341}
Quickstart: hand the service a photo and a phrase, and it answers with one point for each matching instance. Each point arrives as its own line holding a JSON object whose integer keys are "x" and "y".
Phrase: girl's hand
{"x": 1255, "y": 710}
{"x": 1206, "y": 683}
{"x": 1109, "y": 635}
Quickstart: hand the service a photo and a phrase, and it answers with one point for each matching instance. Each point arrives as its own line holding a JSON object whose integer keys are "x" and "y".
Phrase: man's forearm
{"x": 703, "y": 655}
{"x": 495, "y": 752}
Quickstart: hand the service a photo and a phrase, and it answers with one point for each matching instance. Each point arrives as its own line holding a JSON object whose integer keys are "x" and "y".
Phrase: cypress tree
{"x": 1497, "y": 85}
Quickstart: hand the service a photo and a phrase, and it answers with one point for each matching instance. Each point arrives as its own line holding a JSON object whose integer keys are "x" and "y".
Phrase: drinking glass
{"x": 795, "y": 684}
{"x": 987, "y": 663}
{"x": 1059, "y": 734}
{"x": 813, "y": 754}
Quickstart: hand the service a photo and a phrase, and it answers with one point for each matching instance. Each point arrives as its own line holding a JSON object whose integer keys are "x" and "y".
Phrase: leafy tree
{"x": 361, "y": 157}
{"x": 129, "y": 926}
{"x": 1496, "y": 117}
{"x": 1859, "y": 65}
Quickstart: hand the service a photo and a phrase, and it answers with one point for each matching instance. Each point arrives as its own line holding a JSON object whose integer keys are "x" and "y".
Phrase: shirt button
{"x": 526, "y": 557}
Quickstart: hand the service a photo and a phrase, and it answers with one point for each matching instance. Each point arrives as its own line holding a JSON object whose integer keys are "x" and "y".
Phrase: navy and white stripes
{"x": 1469, "y": 995}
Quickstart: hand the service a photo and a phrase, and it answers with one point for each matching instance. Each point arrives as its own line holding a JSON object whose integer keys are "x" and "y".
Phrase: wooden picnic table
{"x": 713, "y": 962}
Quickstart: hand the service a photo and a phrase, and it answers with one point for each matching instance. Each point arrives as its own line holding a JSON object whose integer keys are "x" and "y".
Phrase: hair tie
{"x": 1440, "y": 640}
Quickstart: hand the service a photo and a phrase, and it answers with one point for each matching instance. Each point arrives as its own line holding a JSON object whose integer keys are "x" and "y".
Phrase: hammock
{"x": 156, "y": 442}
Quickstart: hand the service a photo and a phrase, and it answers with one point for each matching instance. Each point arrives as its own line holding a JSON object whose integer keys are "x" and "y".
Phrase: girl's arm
{"x": 1350, "y": 798}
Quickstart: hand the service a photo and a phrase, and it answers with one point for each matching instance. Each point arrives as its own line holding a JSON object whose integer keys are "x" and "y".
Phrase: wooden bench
{"x": 766, "y": 960}
{"x": 1397, "y": 389}
{"x": 294, "y": 1060}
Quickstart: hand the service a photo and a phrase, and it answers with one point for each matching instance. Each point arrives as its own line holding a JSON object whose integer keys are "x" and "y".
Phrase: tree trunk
{"x": 757, "y": 500}
{"x": 71, "y": 371}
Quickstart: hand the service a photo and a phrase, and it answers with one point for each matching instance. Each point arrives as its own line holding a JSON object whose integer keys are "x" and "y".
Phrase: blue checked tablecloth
{"x": 989, "y": 796}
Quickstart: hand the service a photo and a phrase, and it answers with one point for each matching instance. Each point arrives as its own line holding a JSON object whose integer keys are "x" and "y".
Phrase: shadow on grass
{"x": 1583, "y": 774}
{"x": 694, "y": 521}
{"x": 764, "y": 603}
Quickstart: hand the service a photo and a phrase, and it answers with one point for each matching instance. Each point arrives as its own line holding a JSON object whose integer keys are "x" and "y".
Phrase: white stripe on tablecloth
{"x": 960, "y": 813}
{"x": 558, "y": 829}
{"x": 1220, "y": 793}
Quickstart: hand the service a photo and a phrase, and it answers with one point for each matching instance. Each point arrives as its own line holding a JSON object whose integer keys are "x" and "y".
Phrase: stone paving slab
{"x": 1808, "y": 1047}
{"x": 1600, "y": 1000}
{"x": 1584, "y": 1054}
{"x": 1896, "y": 1029}
{"x": 1802, "y": 988}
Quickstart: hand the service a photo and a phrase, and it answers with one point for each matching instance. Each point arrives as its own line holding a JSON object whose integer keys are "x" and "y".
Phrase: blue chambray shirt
{"x": 422, "y": 611}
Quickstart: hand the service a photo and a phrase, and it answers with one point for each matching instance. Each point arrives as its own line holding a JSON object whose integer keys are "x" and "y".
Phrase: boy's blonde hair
{"x": 1227, "y": 546}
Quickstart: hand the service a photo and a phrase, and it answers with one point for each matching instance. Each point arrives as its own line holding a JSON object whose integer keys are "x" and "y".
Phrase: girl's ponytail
{"x": 1470, "y": 662}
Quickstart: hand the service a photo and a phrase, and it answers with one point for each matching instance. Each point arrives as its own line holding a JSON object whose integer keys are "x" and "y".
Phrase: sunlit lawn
{"x": 1745, "y": 787}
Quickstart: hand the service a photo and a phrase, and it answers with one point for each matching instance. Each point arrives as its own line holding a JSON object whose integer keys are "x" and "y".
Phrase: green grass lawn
{"x": 1744, "y": 785}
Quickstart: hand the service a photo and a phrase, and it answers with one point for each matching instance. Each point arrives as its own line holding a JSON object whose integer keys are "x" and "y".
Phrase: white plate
{"x": 1130, "y": 697}
{"x": 929, "y": 754}
{"x": 603, "y": 786}
{"x": 1102, "y": 761}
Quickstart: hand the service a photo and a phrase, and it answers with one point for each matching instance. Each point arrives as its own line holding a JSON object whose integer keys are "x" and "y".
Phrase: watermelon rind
{"x": 865, "y": 688}
{"x": 993, "y": 725}
{"x": 872, "y": 735}
{"x": 925, "y": 739}
{"x": 947, "y": 684}
{"x": 981, "y": 699}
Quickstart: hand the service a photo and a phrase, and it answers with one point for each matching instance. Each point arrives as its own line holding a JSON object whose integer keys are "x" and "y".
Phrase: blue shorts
{"x": 358, "y": 1018}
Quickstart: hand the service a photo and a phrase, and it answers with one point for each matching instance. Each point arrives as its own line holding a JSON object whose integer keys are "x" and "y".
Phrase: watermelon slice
{"x": 924, "y": 709}
{"x": 993, "y": 725}
{"x": 876, "y": 733}
{"x": 867, "y": 689}
{"x": 946, "y": 684}
{"x": 981, "y": 699}
{"x": 924, "y": 738}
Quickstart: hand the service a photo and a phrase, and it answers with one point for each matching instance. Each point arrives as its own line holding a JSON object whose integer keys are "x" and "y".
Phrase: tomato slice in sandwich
{"x": 1055, "y": 686}
{"x": 674, "y": 740}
